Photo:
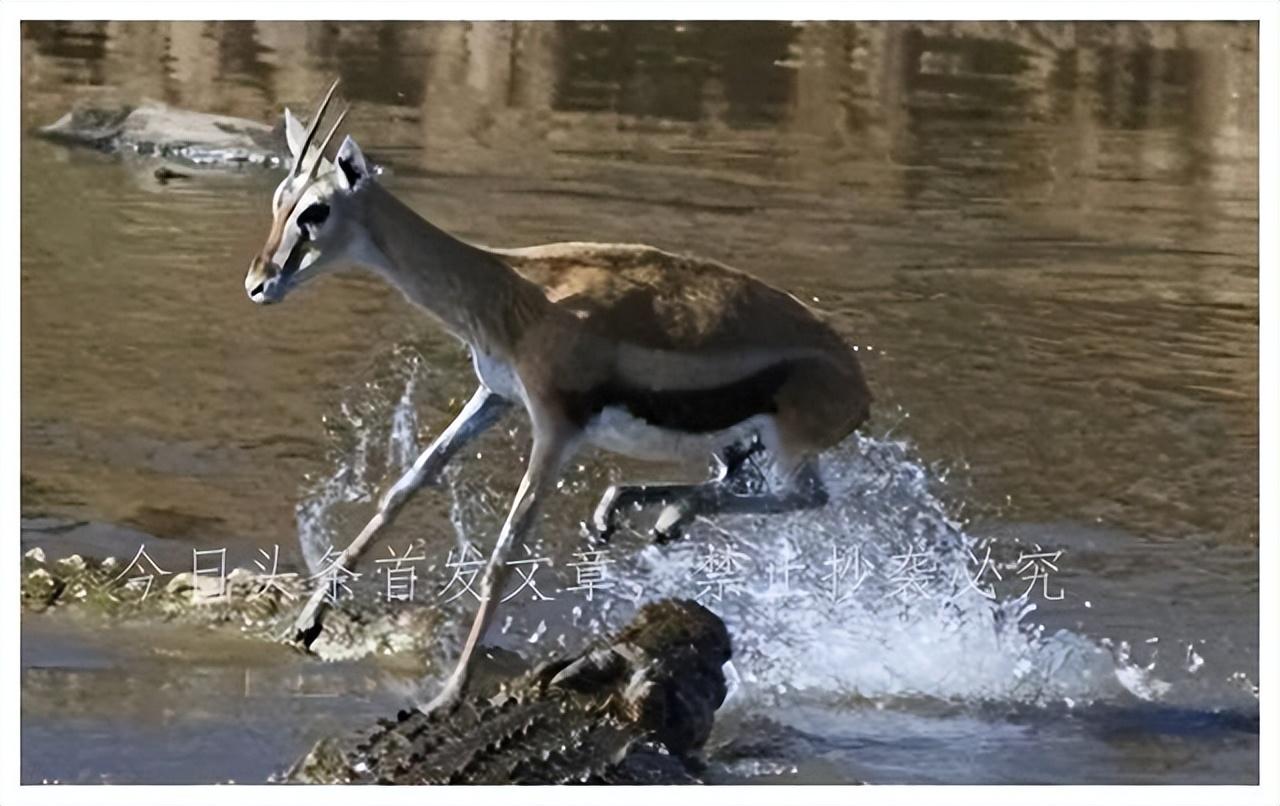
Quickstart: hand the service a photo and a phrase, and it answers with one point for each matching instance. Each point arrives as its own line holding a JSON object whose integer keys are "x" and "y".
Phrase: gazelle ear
{"x": 294, "y": 132}
{"x": 352, "y": 168}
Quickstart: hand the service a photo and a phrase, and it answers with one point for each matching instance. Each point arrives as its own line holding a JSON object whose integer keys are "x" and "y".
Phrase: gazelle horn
{"x": 311, "y": 130}
{"x": 315, "y": 166}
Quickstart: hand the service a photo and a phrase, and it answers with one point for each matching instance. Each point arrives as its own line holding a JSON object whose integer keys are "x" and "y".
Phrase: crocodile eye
{"x": 310, "y": 219}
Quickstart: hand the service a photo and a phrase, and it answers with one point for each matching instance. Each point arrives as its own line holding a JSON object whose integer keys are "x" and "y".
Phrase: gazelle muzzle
{"x": 265, "y": 281}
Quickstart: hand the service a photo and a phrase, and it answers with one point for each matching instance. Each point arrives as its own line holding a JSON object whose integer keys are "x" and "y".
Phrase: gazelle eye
{"x": 311, "y": 218}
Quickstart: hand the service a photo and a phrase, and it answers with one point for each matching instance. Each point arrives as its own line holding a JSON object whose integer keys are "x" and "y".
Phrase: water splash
{"x": 953, "y": 644}
{"x": 945, "y": 641}
{"x": 363, "y": 457}
{"x": 472, "y": 505}
{"x": 347, "y": 483}
{"x": 402, "y": 441}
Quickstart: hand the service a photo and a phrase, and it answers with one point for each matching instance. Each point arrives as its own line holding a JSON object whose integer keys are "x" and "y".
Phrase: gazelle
{"x": 628, "y": 348}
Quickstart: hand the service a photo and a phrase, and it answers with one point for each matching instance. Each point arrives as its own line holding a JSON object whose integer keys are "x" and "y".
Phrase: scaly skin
{"x": 359, "y": 627}
{"x": 158, "y": 130}
{"x": 633, "y": 709}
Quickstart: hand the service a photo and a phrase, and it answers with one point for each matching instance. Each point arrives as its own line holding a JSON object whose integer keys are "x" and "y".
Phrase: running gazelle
{"x": 641, "y": 352}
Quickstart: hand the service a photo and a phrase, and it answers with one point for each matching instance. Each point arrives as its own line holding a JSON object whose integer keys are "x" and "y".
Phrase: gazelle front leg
{"x": 549, "y": 451}
{"x": 483, "y": 410}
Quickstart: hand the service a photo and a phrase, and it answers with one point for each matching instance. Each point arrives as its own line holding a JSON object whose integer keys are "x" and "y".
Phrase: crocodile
{"x": 361, "y": 625}
{"x": 633, "y": 709}
{"x": 156, "y": 129}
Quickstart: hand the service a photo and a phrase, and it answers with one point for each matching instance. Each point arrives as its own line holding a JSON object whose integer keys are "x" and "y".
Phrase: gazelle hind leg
{"x": 731, "y": 462}
{"x": 801, "y": 489}
{"x": 798, "y": 483}
{"x": 818, "y": 406}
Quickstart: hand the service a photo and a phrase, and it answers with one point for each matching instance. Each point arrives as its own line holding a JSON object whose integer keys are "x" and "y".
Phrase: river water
{"x": 1043, "y": 240}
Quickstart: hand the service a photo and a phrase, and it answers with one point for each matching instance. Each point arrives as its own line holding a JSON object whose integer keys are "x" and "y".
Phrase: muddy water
{"x": 1042, "y": 239}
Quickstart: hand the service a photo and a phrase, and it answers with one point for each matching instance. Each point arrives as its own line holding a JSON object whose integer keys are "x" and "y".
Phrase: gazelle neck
{"x": 474, "y": 295}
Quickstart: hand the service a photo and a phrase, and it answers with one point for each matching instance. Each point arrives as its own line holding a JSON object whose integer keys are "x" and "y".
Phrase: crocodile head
{"x": 662, "y": 673}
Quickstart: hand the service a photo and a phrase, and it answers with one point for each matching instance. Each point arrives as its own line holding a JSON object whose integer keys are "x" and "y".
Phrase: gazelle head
{"x": 316, "y": 225}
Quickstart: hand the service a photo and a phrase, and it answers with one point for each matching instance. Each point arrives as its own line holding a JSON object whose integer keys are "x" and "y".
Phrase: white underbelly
{"x": 617, "y": 431}
{"x": 497, "y": 376}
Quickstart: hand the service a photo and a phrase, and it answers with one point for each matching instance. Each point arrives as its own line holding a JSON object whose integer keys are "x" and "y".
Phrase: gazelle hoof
{"x": 602, "y": 520}
{"x": 444, "y": 703}
{"x": 595, "y": 535}
{"x": 305, "y": 630}
{"x": 670, "y": 524}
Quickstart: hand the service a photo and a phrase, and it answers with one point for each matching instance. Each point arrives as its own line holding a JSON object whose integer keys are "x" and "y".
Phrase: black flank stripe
{"x": 690, "y": 410}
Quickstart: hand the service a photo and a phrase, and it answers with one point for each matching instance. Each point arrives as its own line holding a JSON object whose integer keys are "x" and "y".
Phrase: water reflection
{"x": 1049, "y": 230}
